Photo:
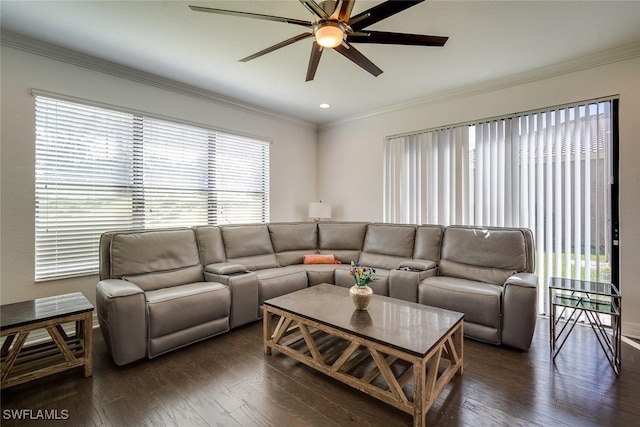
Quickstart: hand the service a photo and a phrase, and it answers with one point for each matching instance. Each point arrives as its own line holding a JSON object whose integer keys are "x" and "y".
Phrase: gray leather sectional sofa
{"x": 160, "y": 290}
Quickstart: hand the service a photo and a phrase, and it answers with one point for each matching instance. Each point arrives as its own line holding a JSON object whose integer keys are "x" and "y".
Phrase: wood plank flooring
{"x": 227, "y": 381}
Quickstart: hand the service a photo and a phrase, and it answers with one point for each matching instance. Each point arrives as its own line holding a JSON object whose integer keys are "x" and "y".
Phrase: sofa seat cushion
{"x": 480, "y": 302}
{"x": 182, "y": 307}
{"x": 323, "y": 273}
{"x": 274, "y": 282}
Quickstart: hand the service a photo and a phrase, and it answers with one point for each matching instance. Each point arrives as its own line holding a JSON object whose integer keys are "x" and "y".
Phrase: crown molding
{"x": 47, "y": 50}
{"x": 597, "y": 59}
{"x": 40, "y": 48}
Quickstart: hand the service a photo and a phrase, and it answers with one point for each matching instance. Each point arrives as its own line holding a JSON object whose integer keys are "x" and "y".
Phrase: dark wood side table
{"x": 22, "y": 363}
{"x": 576, "y": 297}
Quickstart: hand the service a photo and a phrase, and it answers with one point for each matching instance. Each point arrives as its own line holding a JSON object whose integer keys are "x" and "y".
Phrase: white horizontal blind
{"x": 99, "y": 169}
{"x": 239, "y": 176}
{"x": 84, "y": 183}
{"x": 173, "y": 174}
{"x": 549, "y": 171}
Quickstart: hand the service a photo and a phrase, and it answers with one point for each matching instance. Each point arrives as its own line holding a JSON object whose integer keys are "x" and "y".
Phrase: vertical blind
{"x": 549, "y": 171}
{"x": 426, "y": 177}
{"x": 99, "y": 169}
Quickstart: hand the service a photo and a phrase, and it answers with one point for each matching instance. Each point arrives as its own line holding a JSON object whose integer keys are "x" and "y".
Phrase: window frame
{"x": 405, "y": 183}
{"x": 52, "y": 173}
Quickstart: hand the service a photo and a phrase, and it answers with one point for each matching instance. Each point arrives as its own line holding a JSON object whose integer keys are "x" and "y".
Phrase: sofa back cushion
{"x": 104, "y": 252}
{"x": 153, "y": 251}
{"x": 249, "y": 245}
{"x": 428, "y": 242}
{"x": 387, "y": 245}
{"x": 210, "y": 244}
{"x": 494, "y": 276}
{"x": 342, "y": 239}
{"x": 292, "y": 241}
{"x": 390, "y": 239}
{"x": 166, "y": 279}
{"x": 506, "y": 249}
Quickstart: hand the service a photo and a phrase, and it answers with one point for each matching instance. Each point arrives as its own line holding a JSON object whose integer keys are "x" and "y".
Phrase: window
{"x": 99, "y": 169}
{"x": 550, "y": 171}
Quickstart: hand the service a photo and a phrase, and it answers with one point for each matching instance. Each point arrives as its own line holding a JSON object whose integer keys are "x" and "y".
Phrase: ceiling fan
{"x": 334, "y": 27}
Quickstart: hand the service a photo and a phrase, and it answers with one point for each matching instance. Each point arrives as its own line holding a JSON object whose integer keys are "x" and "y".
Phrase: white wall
{"x": 343, "y": 169}
{"x": 354, "y": 148}
{"x": 293, "y": 179}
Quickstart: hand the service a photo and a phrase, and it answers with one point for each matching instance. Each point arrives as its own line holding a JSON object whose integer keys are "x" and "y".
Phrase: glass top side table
{"x": 22, "y": 361}
{"x": 573, "y": 298}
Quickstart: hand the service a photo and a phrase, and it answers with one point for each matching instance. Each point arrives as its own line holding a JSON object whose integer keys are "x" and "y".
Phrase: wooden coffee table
{"x": 396, "y": 351}
{"x": 22, "y": 363}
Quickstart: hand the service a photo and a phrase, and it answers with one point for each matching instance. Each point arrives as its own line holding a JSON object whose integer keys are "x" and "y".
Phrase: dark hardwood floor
{"x": 227, "y": 381}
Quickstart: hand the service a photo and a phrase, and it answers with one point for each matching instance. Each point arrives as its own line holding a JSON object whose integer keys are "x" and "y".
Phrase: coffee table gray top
{"x": 410, "y": 327}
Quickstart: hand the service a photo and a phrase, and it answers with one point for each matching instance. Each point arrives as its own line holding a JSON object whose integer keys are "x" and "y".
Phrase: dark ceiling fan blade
{"x": 307, "y": 24}
{"x": 315, "y": 8}
{"x": 383, "y": 37}
{"x": 314, "y": 59}
{"x": 277, "y": 46}
{"x": 354, "y": 55}
{"x": 380, "y": 12}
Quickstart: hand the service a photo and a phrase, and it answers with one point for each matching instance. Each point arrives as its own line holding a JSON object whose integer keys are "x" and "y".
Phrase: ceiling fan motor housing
{"x": 329, "y": 6}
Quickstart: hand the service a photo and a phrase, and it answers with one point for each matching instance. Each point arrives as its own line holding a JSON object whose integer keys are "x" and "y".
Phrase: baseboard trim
{"x": 631, "y": 342}
{"x": 631, "y": 330}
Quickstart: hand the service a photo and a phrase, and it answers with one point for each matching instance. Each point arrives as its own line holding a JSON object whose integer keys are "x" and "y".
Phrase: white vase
{"x": 361, "y": 296}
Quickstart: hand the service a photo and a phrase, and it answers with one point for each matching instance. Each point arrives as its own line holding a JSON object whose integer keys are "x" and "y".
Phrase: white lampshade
{"x": 320, "y": 210}
{"x": 329, "y": 34}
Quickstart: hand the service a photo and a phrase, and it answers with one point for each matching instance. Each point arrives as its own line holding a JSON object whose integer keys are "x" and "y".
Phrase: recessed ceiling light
{"x": 325, "y": 105}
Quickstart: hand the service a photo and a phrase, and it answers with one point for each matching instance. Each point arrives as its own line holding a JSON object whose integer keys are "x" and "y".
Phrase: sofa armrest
{"x": 244, "y": 295}
{"x": 404, "y": 281}
{"x": 523, "y": 279}
{"x": 520, "y": 301}
{"x": 225, "y": 268}
{"x": 115, "y": 288}
{"x": 121, "y": 308}
{"x": 418, "y": 265}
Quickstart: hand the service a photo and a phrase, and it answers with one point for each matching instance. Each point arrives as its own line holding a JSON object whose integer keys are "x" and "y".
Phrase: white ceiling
{"x": 488, "y": 41}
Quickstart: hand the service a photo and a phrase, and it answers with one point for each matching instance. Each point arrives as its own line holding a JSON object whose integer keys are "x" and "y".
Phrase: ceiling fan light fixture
{"x": 333, "y": 27}
{"x": 329, "y": 34}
